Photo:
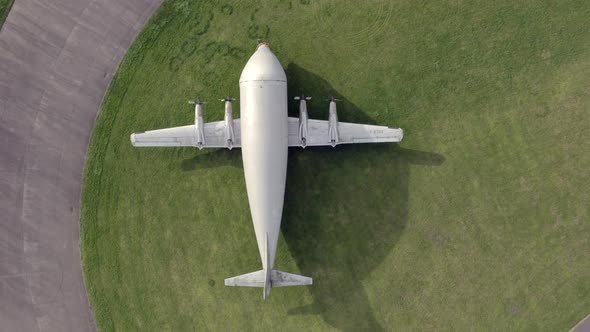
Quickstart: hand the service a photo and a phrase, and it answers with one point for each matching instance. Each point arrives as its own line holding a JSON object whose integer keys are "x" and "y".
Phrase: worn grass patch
{"x": 478, "y": 220}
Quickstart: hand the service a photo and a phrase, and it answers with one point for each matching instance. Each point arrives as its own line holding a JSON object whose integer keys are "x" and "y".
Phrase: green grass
{"x": 479, "y": 220}
{"x": 4, "y": 9}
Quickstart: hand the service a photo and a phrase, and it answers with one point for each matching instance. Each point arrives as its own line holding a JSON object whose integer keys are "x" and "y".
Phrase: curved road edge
{"x": 57, "y": 59}
{"x": 582, "y": 326}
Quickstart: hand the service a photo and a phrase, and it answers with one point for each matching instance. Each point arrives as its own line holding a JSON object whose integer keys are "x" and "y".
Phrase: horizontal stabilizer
{"x": 277, "y": 279}
{"x": 284, "y": 279}
{"x": 253, "y": 279}
{"x": 267, "y": 279}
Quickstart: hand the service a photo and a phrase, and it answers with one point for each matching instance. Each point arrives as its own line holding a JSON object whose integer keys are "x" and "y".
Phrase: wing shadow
{"x": 212, "y": 159}
{"x": 345, "y": 209}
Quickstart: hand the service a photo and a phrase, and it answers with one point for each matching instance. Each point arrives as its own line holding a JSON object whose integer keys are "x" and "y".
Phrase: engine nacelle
{"x": 333, "y": 134}
{"x": 303, "y": 117}
{"x": 229, "y": 122}
{"x": 199, "y": 123}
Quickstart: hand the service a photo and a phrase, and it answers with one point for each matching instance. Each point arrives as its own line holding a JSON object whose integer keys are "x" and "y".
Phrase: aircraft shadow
{"x": 213, "y": 159}
{"x": 345, "y": 209}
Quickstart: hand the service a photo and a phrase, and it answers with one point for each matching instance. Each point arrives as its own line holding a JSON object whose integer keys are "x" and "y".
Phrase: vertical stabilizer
{"x": 267, "y": 269}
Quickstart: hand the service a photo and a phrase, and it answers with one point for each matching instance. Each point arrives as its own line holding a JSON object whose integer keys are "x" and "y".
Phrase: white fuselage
{"x": 264, "y": 139}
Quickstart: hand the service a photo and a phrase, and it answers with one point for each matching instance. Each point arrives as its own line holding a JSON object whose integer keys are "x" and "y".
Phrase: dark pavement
{"x": 56, "y": 60}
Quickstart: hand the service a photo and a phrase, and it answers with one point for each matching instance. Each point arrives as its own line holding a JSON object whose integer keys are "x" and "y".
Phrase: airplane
{"x": 264, "y": 133}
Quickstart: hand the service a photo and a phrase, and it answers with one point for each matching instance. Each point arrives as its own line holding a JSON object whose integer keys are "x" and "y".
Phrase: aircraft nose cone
{"x": 263, "y": 66}
{"x": 262, "y": 44}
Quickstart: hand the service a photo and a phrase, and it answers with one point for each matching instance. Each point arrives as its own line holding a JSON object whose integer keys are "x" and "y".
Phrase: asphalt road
{"x": 56, "y": 60}
{"x": 582, "y": 326}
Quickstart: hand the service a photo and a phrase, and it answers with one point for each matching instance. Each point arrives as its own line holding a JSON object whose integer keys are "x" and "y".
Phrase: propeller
{"x": 332, "y": 98}
{"x": 228, "y": 98}
{"x": 302, "y": 97}
{"x": 198, "y": 102}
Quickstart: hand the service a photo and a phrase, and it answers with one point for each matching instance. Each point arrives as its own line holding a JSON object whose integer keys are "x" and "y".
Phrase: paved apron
{"x": 57, "y": 58}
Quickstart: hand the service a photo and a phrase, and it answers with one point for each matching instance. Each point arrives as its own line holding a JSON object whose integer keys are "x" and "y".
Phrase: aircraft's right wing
{"x": 176, "y": 136}
{"x": 214, "y": 136}
{"x": 318, "y": 133}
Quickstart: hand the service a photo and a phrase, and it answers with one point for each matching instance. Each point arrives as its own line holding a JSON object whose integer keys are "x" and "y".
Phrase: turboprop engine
{"x": 229, "y": 122}
{"x": 199, "y": 122}
{"x": 303, "y": 119}
{"x": 333, "y": 122}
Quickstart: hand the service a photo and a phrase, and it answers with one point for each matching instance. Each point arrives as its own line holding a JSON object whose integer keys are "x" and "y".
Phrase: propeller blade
{"x": 302, "y": 97}
{"x": 198, "y": 102}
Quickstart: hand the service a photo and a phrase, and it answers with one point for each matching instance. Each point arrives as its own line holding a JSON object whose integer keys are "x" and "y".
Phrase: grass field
{"x": 478, "y": 220}
{"x": 4, "y": 9}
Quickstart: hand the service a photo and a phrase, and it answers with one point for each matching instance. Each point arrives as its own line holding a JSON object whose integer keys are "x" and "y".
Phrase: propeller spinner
{"x": 332, "y": 99}
{"x": 198, "y": 102}
{"x": 228, "y": 98}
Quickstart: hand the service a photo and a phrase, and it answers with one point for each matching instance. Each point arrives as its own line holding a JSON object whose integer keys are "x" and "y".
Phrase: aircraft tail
{"x": 273, "y": 278}
{"x": 267, "y": 278}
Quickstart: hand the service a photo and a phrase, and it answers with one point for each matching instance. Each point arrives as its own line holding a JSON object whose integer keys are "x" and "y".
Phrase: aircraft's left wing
{"x": 319, "y": 133}
{"x": 215, "y": 136}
